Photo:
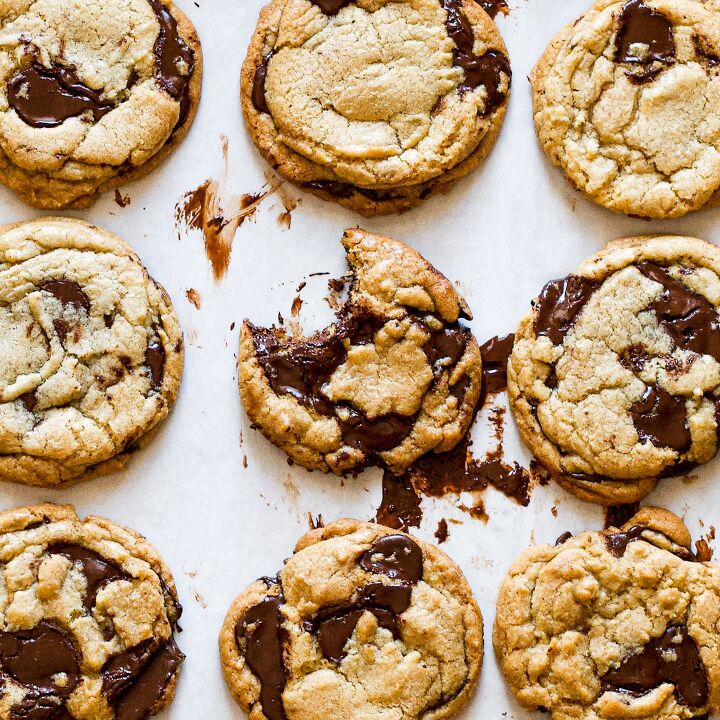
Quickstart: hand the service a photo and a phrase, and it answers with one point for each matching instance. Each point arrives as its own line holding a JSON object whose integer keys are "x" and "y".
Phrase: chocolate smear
{"x": 334, "y": 626}
{"x": 495, "y": 355}
{"x": 441, "y": 534}
{"x": 672, "y": 658}
{"x": 661, "y": 418}
{"x": 644, "y": 38}
{"x": 689, "y": 318}
{"x": 47, "y": 97}
{"x": 400, "y": 505}
{"x": 258, "y": 92}
{"x": 397, "y": 556}
{"x": 513, "y": 481}
{"x": 261, "y": 632}
{"x": 559, "y": 304}
{"x": 174, "y": 60}
{"x": 69, "y": 293}
{"x": 97, "y": 570}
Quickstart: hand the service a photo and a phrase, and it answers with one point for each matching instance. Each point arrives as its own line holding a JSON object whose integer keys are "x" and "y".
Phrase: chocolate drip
{"x": 97, "y": 570}
{"x": 334, "y": 626}
{"x": 486, "y": 69}
{"x": 396, "y": 556}
{"x": 495, "y": 355}
{"x": 260, "y": 629}
{"x": 47, "y": 97}
{"x": 68, "y": 293}
{"x": 672, "y": 658}
{"x": 258, "y": 91}
{"x": 136, "y": 679}
{"x": 689, "y": 318}
{"x": 400, "y": 506}
{"x": 34, "y": 658}
{"x": 560, "y": 303}
{"x": 641, "y": 26}
{"x": 155, "y": 361}
{"x": 661, "y": 418}
{"x": 174, "y": 60}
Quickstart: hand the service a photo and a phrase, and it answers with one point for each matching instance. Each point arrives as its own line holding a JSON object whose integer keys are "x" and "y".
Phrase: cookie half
{"x": 92, "y": 352}
{"x": 396, "y": 376}
{"x": 375, "y": 104}
{"x": 361, "y": 622}
{"x": 614, "y": 378}
{"x": 610, "y": 625}
{"x": 626, "y": 102}
{"x": 88, "y": 614}
{"x": 92, "y": 95}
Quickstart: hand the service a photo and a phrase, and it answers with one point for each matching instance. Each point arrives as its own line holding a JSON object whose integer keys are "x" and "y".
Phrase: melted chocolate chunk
{"x": 29, "y": 400}
{"x": 47, "y": 97}
{"x": 644, "y": 38}
{"x": 330, "y": 7}
{"x": 563, "y": 538}
{"x": 97, "y": 570}
{"x": 258, "y": 91}
{"x": 155, "y": 361}
{"x": 343, "y": 190}
{"x": 334, "y": 626}
{"x": 68, "y": 293}
{"x": 260, "y": 629}
{"x": 672, "y": 658}
{"x": 34, "y": 658}
{"x": 618, "y": 515}
{"x": 617, "y": 542}
{"x": 689, "y": 318}
{"x": 445, "y": 347}
{"x": 400, "y": 505}
{"x": 661, "y": 418}
{"x": 559, "y": 305}
{"x": 371, "y": 436}
{"x": 396, "y": 556}
{"x": 174, "y": 60}
{"x": 487, "y": 69}
{"x": 495, "y": 354}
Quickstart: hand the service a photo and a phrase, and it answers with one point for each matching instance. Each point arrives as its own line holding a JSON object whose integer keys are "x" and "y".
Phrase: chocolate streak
{"x": 672, "y": 658}
{"x": 640, "y": 25}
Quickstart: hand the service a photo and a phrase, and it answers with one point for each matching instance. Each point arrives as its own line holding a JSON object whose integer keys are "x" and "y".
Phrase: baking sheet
{"x": 504, "y": 231}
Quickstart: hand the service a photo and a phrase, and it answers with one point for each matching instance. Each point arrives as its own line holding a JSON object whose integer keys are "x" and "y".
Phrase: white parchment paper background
{"x": 501, "y": 234}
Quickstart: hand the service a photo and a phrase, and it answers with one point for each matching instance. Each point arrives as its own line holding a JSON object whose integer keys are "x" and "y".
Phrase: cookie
{"x": 375, "y": 104}
{"x": 88, "y": 612}
{"x": 361, "y": 622}
{"x": 91, "y": 353}
{"x": 626, "y": 103}
{"x": 396, "y": 376}
{"x": 622, "y": 623}
{"x": 614, "y": 378}
{"x": 92, "y": 95}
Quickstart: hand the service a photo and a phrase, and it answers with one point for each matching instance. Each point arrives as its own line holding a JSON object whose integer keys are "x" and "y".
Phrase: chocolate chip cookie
{"x": 616, "y": 624}
{"x": 361, "y": 622}
{"x": 91, "y": 353}
{"x": 626, "y": 103}
{"x": 92, "y": 95}
{"x": 396, "y": 376}
{"x": 375, "y": 104}
{"x": 88, "y": 612}
{"x": 614, "y": 377}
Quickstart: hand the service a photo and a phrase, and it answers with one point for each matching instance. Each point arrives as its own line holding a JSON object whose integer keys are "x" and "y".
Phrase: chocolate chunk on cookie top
{"x": 626, "y": 103}
{"x": 615, "y": 374}
{"x": 341, "y": 102}
{"x": 91, "y": 353}
{"x": 361, "y": 622}
{"x": 396, "y": 376}
{"x": 88, "y": 616}
{"x": 621, "y": 623}
{"x": 96, "y": 95}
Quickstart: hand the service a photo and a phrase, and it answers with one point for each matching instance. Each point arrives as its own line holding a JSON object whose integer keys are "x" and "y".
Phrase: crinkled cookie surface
{"x": 614, "y": 378}
{"x": 626, "y": 102}
{"x": 395, "y": 377}
{"x": 92, "y": 352}
{"x": 361, "y": 622}
{"x": 613, "y": 625}
{"x": 92, "y": 94}
{"x": 366, "y": 102}
{"x": 87, "y": 614}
